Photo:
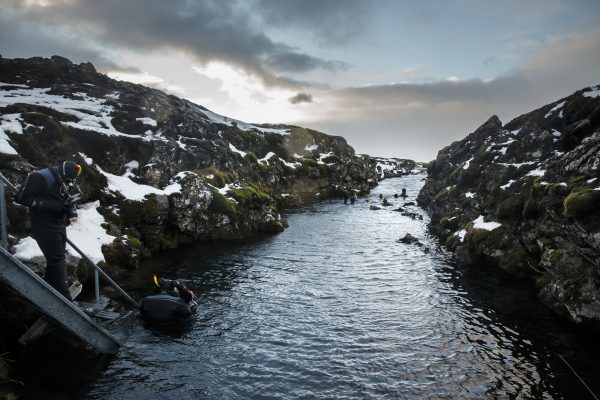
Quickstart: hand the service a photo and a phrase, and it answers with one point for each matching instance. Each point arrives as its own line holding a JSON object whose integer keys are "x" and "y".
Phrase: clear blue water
{"x": 334, "y": 307}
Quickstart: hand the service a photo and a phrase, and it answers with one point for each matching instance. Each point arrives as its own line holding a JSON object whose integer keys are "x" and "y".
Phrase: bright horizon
{"x": 394, "y": 78}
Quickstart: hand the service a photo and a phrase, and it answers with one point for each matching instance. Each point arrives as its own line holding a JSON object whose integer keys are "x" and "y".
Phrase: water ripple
{"x": 334, "y": 307}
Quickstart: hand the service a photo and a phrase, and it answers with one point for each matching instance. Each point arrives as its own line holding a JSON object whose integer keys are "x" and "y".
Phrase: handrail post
{"x": 3, "y": 218}
{"x": 97, "y": 286}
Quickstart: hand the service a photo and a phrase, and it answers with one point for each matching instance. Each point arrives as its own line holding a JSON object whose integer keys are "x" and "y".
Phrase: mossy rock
{"x": 308, "y": 167}
{"x": 445, "y": 194}
{"x": 117, "y": 254}
{"x": 218, "y": 178}
{"x": 333, "y": 159}
{"x": 134, "y": 242}
{"x": 582, "y": 203}
{"x": 532, "y": 209}
{"x": 263, "y": 167}
{"x": 543, "y": 280}
{"x": 251, "y": 157}
{"x": 84, "y": 270}
{"x": 556, "y": 189}
{"x": 450, "y": 224}
{"x": 510, "y": 208}
{"x": 222, "y": 205}
{"x": 452, "y": 241}
{"x": 578, "y": 179}
{"x": 253, "y": 193}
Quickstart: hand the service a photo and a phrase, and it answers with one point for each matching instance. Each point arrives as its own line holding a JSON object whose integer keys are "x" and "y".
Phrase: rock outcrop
{"x": 164, "y": 170}
{"x": 526, "y": 197}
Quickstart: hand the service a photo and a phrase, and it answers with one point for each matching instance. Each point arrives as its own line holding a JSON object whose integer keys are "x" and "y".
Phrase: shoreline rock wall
{"x": 165, "y": 171}
{"x": 526, "y": 197}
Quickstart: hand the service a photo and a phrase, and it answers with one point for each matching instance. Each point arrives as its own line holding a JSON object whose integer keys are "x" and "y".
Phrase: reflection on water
{"x": 334, "y": 308}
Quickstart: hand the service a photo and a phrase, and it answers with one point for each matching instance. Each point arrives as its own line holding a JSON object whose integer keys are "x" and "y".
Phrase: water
{"x": 334, "y": 308}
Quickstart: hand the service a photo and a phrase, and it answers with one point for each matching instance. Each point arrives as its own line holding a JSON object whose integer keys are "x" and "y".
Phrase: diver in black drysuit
{"x": 46, "y": 193}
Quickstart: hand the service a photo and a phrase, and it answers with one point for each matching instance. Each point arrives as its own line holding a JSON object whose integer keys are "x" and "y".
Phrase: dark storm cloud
{"x": 20, "y": 40}
{"x": 208, "y": 30}
{"x": 301, "y": 98}
{"x": 330, "y": 22}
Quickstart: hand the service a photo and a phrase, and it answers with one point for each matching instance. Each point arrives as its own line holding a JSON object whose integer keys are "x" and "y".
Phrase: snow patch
{"x": 488, "y": 226}
{"x": 266, "y": 158}
{"x": 468, "y": 162}
{"x": 290, "y": 165}
{"x": 11, "y": 123}
{"x": 241, "y": 153}
{"x": 461, "y": 234}
{"x": 88, "y": 160}
{"x": 536, "y": 172}
{"x": 595, "y": 92}
{"x": 85, "y": 232}
{"x": 135, "y": 191}
{"x": 470, "y": 195}
{"x": 554, "y": 109}
{"x": 5, "y": 147}
{"x": 148, "y": 121}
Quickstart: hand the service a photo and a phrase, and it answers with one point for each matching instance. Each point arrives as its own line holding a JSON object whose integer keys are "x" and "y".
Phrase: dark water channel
{"x": 334, "y": 308}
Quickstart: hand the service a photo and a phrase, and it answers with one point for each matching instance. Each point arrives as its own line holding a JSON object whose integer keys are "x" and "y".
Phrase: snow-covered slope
{"x": 162, "y": 170}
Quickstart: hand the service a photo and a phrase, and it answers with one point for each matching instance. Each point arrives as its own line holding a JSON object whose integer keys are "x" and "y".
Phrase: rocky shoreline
{"x": 159, "y": 172}
{"x": 524, "y": 196}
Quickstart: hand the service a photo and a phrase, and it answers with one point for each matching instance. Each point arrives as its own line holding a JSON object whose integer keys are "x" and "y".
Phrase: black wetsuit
{"x": 43, "y": 194}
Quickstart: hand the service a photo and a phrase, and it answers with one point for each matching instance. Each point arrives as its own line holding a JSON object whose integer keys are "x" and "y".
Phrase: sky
{"x": 395, "y": 78}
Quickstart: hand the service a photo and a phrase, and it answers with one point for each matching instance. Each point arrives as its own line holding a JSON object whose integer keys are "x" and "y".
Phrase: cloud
{"x": 301, "y": 98}
{"x": 417, "y": 119}
{"x": 329, "y": 22}
{"x": 207, "y": 30}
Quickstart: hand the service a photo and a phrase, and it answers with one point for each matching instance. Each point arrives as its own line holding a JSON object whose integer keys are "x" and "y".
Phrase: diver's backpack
{"x": 48, "y": 177}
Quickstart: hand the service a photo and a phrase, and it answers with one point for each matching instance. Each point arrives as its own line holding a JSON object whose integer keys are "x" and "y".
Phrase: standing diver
{"x": 51, "y": 195}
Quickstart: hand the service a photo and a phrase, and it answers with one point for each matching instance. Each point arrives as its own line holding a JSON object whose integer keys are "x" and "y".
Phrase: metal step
{"x": 96, "y": 310}
{"x": 43, "y": 325}
{"x": 25, "y": 282}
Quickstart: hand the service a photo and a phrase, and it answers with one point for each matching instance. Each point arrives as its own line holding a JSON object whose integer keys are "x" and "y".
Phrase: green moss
{"x": 134, "y": 242}
{"x": 215, "y": 176}
{"x": 532, "y": 209}
{"x": 263, "y": 167}
{"x": 555, "y": 257}
{"x": 307, "y": 165}
{"x": 222, "y": 205}
{"x": 578, "y": 179}
{"x": 253, "y": 193}
{"x": 445, "y": 194}
{"x": 251, "y": 157}
{"x": 555, "y": 189}
{"x": 581, "y": 203}
{"x": 510, "y": 208}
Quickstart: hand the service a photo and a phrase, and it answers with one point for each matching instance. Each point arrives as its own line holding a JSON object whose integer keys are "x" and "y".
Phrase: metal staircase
{"x": 59, "y": 312}
{"x": 57, "y": 308}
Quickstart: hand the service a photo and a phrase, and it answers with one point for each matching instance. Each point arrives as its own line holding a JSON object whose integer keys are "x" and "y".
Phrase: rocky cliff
{"x": 160, "y": 171}
{"x": 526, "y": 197}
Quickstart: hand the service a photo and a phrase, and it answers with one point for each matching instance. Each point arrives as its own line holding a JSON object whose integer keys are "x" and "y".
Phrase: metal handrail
{"x": 97, "y": 269}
